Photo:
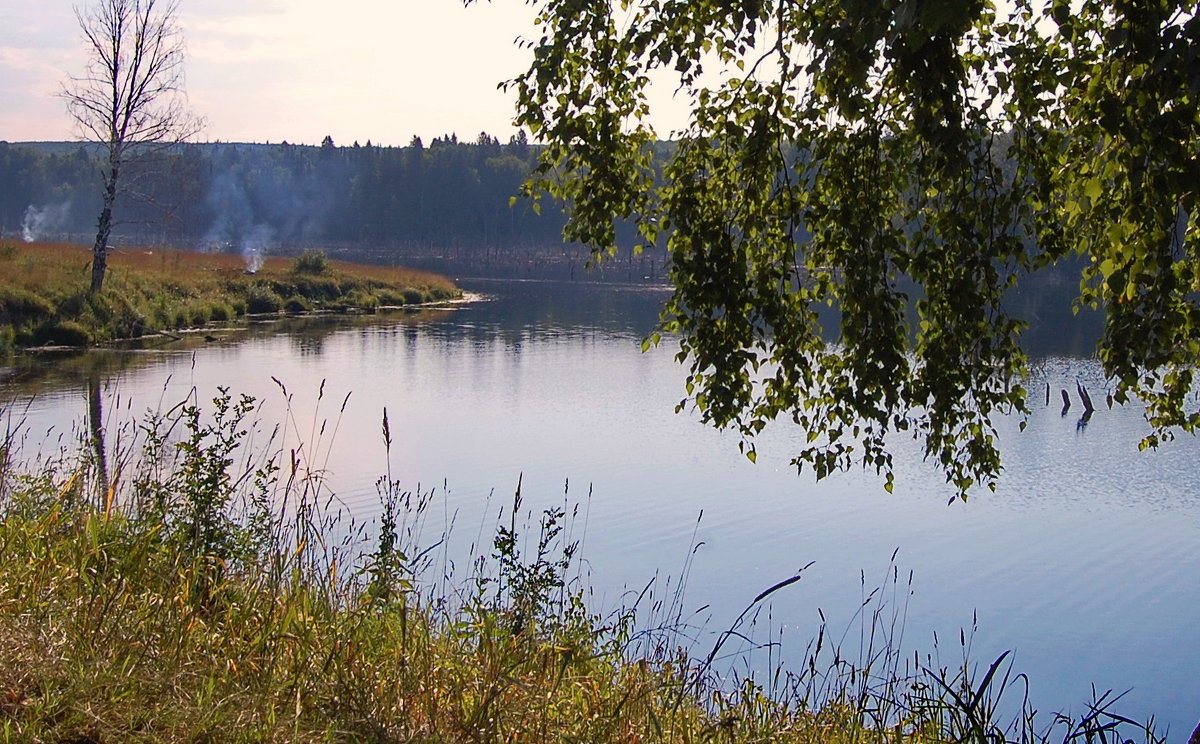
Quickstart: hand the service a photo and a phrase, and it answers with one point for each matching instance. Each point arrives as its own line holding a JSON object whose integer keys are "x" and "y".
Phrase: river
{"x": 1083, "y": 563}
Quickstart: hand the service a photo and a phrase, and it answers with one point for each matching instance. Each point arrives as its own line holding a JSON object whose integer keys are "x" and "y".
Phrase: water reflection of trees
{"x": 521, "y": 312}
{"x": 96, "y": 432}
{"x": 32, "y": 372}
{"x": 517, "y": 315}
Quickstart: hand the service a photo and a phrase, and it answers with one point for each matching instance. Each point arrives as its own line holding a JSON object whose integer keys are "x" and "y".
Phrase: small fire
{"x": 254, "y": 245}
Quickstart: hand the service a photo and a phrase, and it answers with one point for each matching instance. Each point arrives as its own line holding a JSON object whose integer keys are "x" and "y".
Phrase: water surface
{"x": 1083, "y": 563}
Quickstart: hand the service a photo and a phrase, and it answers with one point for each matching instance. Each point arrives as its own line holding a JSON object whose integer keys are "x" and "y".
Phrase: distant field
{"x": 44, "y": 298}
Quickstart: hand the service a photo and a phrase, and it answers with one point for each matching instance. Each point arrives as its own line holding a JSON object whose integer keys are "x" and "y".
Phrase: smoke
{"x": 235, "y": 228}
{"x": 255, "y": 245}
{"x": 259, "y": 203}
{"x": 40, "y": 221}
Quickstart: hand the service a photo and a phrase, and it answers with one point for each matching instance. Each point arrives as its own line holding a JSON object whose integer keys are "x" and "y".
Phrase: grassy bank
{"x": 44, "y": 298}
{"x": 185, "y": 587}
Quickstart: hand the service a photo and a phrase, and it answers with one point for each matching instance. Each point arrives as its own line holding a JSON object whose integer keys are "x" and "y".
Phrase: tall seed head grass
{"x": 212, "y": 593}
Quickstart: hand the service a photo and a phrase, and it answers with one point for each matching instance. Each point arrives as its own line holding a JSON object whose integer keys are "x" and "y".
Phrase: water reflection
{"x": 96, "y": 430}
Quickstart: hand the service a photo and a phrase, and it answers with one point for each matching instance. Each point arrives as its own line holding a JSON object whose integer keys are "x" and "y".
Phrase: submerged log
{"x": 1083, "y": 396}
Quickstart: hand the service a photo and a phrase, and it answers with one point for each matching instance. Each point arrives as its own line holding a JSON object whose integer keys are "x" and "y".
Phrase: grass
{"x": 186, "y": 585}
{"x": 44, "y": 298}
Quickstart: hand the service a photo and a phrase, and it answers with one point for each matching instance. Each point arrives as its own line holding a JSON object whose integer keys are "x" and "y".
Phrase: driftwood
{"x": 1195, "y": 736}
{"x": 1066, "y": 401}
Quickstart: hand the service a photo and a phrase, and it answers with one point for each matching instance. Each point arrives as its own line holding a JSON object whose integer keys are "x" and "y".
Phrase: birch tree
{"x": 876, "y": 156}
{"x": 130, "y": 99}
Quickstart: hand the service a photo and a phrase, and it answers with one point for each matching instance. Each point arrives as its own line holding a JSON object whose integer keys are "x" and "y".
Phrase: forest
{"x": 447, "y": 205}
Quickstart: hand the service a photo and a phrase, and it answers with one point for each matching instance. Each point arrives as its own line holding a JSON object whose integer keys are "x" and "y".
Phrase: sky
{"x": 294, "y": 70}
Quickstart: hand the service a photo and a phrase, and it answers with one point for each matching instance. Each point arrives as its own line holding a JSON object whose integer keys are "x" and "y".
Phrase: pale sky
{"x": 295, "y": 70}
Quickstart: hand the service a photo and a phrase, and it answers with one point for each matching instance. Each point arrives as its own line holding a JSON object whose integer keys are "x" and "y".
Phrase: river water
{"x": 1083, "y": 563}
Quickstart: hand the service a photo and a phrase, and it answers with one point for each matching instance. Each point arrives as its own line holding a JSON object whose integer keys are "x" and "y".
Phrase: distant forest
{"x": 442, "y": 206}
{"x": 445, "y": 205}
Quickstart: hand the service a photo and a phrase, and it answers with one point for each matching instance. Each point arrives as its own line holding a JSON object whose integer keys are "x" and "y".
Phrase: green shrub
{"x": 297, "y": 304}
{"x": 19, "y": 305}
{"x": 61, "y": 333}
{"x": 311, "y": 262}
{"x": 199, "y": 314}
{"x": 222, "y": 312}
{"x": 75, "y": 305}
{"x": 317, "y": 287}
{"x": 118, "y": 315}
{"x": 444, "y": 293}
{"x": 103, "y": 306}
{"x": 413, "y": 296}
{"x": 389, "y": 297}
{"x": 8, "y": 338}
{"x": 127, "y": 323}
{"x": 363, "y": 300}
{"x": 261, "y": 299}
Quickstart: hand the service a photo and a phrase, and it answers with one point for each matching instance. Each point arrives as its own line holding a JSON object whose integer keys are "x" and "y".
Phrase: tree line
{"x": 226, "y": 196}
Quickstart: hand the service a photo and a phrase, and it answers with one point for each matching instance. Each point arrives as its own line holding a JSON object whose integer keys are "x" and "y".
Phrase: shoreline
{"x": 44, "y": 303}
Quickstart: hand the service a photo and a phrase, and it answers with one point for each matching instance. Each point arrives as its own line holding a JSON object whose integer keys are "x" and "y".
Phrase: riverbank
{"x": 182, "y": 588}
{"x": 44, "y": 299}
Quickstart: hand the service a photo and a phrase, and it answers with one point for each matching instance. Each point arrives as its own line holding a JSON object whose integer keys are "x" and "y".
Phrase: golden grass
{"x": 44, "y": 297}
{"x": 34, "y": 265}
{"x": 107, "y": 640}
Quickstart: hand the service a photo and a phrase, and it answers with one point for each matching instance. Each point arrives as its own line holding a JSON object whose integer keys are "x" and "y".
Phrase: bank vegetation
{"x": 45, "y": 299}
{"x": 188, "y": 582}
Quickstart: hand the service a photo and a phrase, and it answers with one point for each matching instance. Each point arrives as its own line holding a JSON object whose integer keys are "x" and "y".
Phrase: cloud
{"x": 229, "y": 8}
{"x": 36, "y": 57}
{"x": 238, "y": 40}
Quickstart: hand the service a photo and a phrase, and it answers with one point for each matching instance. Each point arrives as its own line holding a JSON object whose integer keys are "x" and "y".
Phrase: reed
{"x": 44, "y": 298}
{"x": 201, "y": 589}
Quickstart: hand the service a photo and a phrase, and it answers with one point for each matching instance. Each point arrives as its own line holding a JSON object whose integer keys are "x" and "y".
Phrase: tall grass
{"x": 205, "y": 588}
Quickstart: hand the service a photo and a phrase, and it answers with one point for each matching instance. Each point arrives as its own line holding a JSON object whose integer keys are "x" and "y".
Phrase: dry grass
{"x": 44, "y": 298}
{"x": 48, "y": 264}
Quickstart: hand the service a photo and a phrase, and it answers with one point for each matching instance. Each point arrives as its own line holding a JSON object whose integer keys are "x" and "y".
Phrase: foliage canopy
{"x": 874, "y": 155}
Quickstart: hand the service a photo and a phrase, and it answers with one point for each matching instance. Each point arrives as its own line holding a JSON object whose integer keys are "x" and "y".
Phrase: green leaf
{"x": 871, "y": 168}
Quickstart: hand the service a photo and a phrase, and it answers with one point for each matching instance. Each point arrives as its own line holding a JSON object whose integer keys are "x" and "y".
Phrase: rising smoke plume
{"x": 257, "y": 210}
{"x": 235, "y": 228}
{"x": 42, "y": 221}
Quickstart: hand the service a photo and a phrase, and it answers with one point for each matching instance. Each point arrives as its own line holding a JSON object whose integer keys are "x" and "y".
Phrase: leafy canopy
{"x": 871, "y": 154}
